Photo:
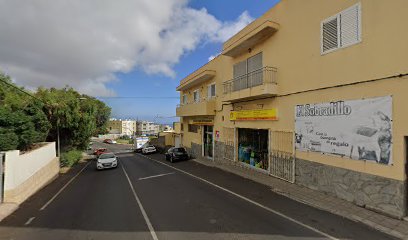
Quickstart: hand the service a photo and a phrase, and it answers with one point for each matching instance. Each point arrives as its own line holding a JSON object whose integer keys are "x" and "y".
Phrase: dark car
{"x": 176, "y": 153}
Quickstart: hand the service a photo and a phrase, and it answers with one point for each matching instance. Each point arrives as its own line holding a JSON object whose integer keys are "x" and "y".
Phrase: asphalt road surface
{"x": 149, "y": 198}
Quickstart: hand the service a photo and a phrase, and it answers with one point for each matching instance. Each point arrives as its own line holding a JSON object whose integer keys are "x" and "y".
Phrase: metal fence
{"x": 2, "y": 159}
{"x": 251, "y": 79}
{"x": 282, "y": 155}
{"x": 229, "y": 139}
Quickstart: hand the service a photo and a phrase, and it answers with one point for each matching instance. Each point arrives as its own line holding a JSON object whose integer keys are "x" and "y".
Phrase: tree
{"x": 22, "y": 120}
{"x": 76, "y": 116}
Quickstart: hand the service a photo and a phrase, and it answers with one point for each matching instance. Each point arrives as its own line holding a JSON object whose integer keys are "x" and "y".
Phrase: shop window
{"x": 193, "y": 128}
{"x": 253, "y": 147}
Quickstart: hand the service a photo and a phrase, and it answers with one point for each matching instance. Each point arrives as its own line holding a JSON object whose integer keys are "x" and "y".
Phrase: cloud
{"x": 54, "y": 43}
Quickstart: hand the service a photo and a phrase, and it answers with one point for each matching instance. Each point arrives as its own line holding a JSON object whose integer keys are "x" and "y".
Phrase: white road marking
{"x": 29, "y": 221}
{"x": 155, "y": 176}
{"x": 62, "y": 189}
{"x": 248, "y": 200}
{"x": 146, "y": 218}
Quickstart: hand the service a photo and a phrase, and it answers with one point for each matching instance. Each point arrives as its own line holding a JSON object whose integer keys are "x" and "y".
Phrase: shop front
{"x": 207, "y": 136}
{"x": 253, "y": 147}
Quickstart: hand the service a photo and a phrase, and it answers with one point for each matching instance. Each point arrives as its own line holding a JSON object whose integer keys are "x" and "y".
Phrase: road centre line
{"x": 247, "y": 199}
{"x": 62, "y": 189}
{"x": 155, "y": 176}
{"x": 29, "y": 221}
{"x": 146, "y": 218}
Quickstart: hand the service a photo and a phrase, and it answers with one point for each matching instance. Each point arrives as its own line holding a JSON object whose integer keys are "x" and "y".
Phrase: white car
{"x": 106, "y": 160}
{"x": 148, "y": 149}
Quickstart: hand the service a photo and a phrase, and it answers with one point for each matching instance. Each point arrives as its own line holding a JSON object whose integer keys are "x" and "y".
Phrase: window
{"x": 181, "y": 127}
{"x": 193, "y": 128}
{"x": 341, "y": 30}
{"x": 196, "y": 96}
{"x": 211, "y": 91}
{"x": 248, "y": 73}
{"x": 184, "y": 99}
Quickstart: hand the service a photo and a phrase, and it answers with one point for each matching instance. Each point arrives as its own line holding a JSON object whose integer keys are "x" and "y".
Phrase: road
{"x": 149, "y": 198}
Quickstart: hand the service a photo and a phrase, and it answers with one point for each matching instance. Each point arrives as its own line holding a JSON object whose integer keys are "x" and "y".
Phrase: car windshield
{"x": 107, "y": 155}
{"x": 180, "y": 150}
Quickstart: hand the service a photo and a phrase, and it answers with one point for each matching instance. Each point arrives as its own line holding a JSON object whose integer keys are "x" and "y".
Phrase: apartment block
{"x": 313, "y": 93}
{"x": 122, "y": 126}
{"x": 147, "y": 128}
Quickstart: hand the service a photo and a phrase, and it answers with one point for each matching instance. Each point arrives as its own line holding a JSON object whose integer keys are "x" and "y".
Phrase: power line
{"x": 19, "y": 89}
{"x": 135, "y": 97}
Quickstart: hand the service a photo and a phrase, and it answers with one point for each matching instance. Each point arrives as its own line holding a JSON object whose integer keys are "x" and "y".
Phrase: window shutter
{"x": 350, "y": 25}
{"x": 209, "y": 91}
{"x": 255, "y": 62}
{"x": 240, "y": 69}
{"x": 330, "y": 35}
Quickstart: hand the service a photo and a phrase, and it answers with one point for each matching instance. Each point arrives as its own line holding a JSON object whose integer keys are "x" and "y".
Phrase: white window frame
{"x": 184, "y": 99}
{"x": 209, "y": 95}
{"x": 338, "y": 17}
{"x": 196, "y": 96}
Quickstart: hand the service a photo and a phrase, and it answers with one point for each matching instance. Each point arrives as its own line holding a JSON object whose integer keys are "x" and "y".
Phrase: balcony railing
{"x": 252, "y": 79}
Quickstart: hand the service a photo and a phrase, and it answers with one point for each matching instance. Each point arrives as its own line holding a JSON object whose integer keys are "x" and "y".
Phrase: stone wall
{"x": 373, "y": 192}
{"x": 195, "y": 151}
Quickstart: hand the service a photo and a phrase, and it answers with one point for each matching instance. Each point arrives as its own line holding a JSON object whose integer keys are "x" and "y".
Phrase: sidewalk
{"x": 7, "y": 209}
{"x": 388, "y": 225}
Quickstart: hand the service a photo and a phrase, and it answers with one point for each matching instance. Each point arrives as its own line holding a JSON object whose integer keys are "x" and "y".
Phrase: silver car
{"x": 106, "y": 160}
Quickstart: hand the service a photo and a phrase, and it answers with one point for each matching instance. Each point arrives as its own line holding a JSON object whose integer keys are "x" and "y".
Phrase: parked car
{"x": 99, "y": 151}
{"x": 106, "y": 160}
{"x": 148, "y": 149}
{"x": 109, "y": 141}
{"x": 176, "y": 153}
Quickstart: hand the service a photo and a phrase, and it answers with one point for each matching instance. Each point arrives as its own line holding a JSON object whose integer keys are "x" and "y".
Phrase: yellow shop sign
{"x": 202, "y": 122}
{"x": 262, "y": 114}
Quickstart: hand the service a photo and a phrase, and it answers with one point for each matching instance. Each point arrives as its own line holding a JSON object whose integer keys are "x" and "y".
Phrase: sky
{"x": 131, "y": 54}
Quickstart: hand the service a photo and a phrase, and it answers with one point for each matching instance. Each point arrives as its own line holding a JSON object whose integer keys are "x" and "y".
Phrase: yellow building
{"x": 312, "y": 92}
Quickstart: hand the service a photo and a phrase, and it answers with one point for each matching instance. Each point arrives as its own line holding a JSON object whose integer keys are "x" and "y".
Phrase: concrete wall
{"x": 27, "y": 173}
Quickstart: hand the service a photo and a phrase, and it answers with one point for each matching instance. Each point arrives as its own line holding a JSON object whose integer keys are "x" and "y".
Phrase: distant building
{"x": 124, "y": 127}
{"x": 147, "y": 128}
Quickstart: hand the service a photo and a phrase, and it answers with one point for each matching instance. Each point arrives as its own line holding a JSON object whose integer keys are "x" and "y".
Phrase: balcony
{"x": 204, "y": 108}
{"x": 256, "y": 84}
{"x": 195, "y": 79}
{"x": 252, "y": 35}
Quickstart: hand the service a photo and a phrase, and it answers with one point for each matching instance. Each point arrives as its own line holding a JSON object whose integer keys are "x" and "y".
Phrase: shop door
{"x": 208, "y": 141}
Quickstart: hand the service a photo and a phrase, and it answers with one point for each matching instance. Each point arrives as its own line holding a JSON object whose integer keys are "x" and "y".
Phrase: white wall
{"x": 19, "y": 168}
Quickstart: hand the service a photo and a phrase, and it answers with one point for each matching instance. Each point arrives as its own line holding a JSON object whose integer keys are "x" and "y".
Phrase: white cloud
{"x": 83, "y": 43}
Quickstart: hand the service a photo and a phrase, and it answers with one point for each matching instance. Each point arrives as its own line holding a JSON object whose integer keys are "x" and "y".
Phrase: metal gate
{"x": 282, "y": 156}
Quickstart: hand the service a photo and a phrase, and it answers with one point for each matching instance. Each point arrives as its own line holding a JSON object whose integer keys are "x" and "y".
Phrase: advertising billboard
{"x": 357, "y": 129}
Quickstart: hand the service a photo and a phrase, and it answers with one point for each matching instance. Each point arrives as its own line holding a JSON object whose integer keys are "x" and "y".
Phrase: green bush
{"x": 69, "y": 158}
